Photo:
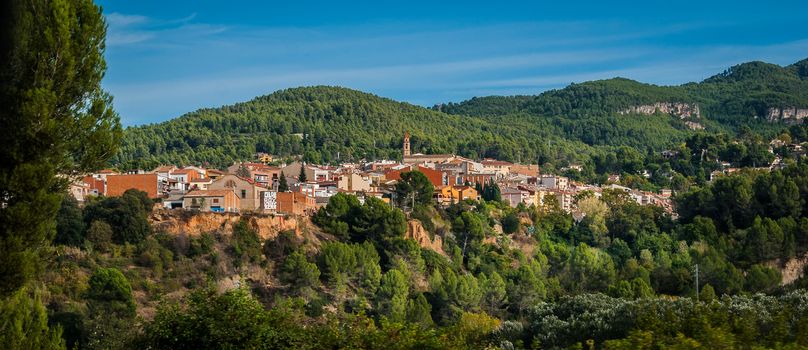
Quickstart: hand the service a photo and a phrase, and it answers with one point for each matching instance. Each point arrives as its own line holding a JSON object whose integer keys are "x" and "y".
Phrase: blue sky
{"x": 166, "y": 58}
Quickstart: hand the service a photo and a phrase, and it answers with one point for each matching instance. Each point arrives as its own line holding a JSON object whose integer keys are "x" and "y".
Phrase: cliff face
{"x": 194, "y": 223}
{"x": 688, "y": 111}
{"x": 178, "y": 222}
{"x": 791, "y": 269}
{"x": 786, "y": 114}
{"x": 676, "y": 109}
{"x": 416, "y": 232}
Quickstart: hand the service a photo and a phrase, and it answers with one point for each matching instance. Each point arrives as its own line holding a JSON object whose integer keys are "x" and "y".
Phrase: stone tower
{"x": 406, "y": 144}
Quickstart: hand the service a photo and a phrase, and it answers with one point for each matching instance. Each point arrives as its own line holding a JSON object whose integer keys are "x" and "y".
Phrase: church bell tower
{"x": 406, "y": 144}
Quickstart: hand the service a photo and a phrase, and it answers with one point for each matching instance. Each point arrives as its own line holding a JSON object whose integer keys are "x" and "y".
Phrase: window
{"x": 243, "y": 193}
{"x": 215, "y": 200}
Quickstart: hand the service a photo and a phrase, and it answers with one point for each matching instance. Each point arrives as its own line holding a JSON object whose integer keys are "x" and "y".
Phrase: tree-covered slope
{"x": 750, "y": 89}
{"x": 325, "y": 124}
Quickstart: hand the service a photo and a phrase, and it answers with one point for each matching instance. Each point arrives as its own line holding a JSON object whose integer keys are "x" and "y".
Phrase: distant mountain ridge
{"x": 748, "y": 89}
{"x": 559, "y": 126}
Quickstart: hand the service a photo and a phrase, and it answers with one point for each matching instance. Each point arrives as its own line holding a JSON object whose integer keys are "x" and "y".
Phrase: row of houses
{"x": 256, "y": 186}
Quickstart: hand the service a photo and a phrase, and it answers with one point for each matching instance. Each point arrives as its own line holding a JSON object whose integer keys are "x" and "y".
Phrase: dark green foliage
{"x": 69, "y": 223}
{"x": 246, "y": 243}
{"x": 325, "y": 115}
{"x": 491, "y": 191}
{"x": 734, "y": 321}
{"x": 298, "y": 272}
{"x": 419, "y": 311}
{"x": 155, "y": 256}
{"x": 283, "y": 186}
{"x": 236, "y": 320}
{"x": 111, "y": 292}
{"x": 375, "y": 220}
{"x": 754, "y": 214}
{"x": 302, "y": 176}
{"x": 391, "y": 298}
{"x": 284, "y": 244}
{"x": 233, "y": 320}
{"x": 55, "y": 119}
{"x": 127, "y": 214}
{"x": 203, "y": 244}
{"x": 588, "y": 270}
{"x": 762, "y": 279}
{"x": 337, "y": 260}
{"x": 24, "y": 323}
{"x": 72, "y": 324}
{"x": 469, "y": 231}
{"x": 525, "y": 288}
{"x": 414, "y": 188}
{"x": 510, "y": 223}
{"x": 100, "y": 235}
{"x": 332, "y": 217}
{"x": 494, "y": 293}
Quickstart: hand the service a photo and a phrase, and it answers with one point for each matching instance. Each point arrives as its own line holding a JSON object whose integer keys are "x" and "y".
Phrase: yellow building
{"x": 454, "y": 194}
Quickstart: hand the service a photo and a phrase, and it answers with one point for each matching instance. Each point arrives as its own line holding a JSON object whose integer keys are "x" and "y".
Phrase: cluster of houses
{"x": 796, "y": 150}
{"x": 254, "y": 186}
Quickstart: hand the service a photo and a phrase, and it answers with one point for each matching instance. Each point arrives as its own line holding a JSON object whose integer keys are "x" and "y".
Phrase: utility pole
{"x": 697, "y": 281}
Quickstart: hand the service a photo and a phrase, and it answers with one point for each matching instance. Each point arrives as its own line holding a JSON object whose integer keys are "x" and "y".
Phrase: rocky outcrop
{"x": 694, "y": 125}
{"x": 791, "y": 269}
{"x": 676, "y": 109}
{"x": 178, "y": 222}
{"x": 786, "y": 114}
{"x": 416, "y": 232}
{"x": 194, "y": 223}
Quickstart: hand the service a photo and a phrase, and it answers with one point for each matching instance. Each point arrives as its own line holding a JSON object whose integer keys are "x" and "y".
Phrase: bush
{"x": 155, "y": 256}
{"x": 233, "y": 320}
{"x": 299, "y": 272}
{"x": 283, "y": 245}
{"x": 127, "y": 215}
{"x": 246, "y": 244}
{"x": 24, "y": 323}
{"x": 69, "y": 223}
{"x": 510, "y": 223}
{"x": 110, "y": 291}
{"x": 100, "y": 235}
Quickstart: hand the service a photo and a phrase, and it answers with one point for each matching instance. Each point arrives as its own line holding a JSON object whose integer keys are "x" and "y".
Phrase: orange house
{"x": 449, "y": 194}
{"x": 118, "y": 184}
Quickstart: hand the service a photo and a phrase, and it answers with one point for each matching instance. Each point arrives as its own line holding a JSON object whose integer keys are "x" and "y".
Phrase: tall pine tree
{"x": 55, "y": 119}
{"x": 302, "y": 176}
{"x": 283, "y": 186}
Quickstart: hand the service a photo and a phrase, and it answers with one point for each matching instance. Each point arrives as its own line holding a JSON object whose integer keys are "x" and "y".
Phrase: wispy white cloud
{"x": 162, "y": 68}
{"x": 121, "y": 20}
{"x": 438, "y": 74}
{"x": 126, "y": 29}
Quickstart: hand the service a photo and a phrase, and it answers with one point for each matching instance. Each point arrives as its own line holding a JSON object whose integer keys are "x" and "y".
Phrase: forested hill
{"x": 325, "y": 124}
{"x": 574, "y": 124}
{"x": 735, "y": 95}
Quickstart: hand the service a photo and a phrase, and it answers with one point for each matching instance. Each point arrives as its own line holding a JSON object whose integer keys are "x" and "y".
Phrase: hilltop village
{"x": 296, "y": 188}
